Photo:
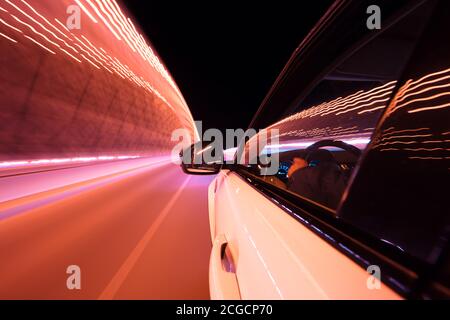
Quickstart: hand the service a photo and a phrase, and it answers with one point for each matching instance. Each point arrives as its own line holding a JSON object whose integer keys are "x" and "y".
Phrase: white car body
{"x": 275, "y": 256}
{"x": 369, "y": 218}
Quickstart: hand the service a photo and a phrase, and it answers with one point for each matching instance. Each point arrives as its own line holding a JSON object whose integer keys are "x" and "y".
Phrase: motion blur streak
{"x": 95, "y": 91}
{"x": 427, "y": 94}
{"x": 86, "y": 176}
{"x": 354, "y": 116}
{"x": 164, "y": 229}
{"x": 130, "y": 262}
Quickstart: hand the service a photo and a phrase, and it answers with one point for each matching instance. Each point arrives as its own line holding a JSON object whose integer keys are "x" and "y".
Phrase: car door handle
{"x": 223, "y": 282}
{"x": 227, "y": 258}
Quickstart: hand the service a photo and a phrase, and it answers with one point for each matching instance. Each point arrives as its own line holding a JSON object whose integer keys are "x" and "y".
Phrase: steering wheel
{"x": 333, "y": 143}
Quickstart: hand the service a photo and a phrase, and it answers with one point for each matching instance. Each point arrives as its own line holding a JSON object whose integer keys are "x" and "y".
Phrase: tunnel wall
{"x": 86, "y": 92}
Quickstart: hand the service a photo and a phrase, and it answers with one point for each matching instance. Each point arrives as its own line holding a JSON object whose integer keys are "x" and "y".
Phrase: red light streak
{"x": 88, "y": 13}
{"x": 40, "y": 44}
{"x": 9, "y": 164}
{"x": 35, "y": 21}
{"x": 93, "y": 64}
{"x": 104, "y": 20}
{"x": 38, "y": 33}
{"x": 10, "y": 26}
{"x": 82, "y": 50}
{"x": 46, "y": 20}
{"x": 10, "y": 39}
{"x": 88, "y": 53}
{"x": 115, "y": 21}
{"x": 70, "y": 55}
{"x": 62, "y": 25}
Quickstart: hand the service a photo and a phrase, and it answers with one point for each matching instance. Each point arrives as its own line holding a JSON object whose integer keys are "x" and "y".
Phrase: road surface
{"x": 141, "y": 233}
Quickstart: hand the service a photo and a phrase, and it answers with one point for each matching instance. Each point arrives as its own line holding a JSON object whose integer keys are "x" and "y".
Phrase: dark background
{"x": 225, "y": 55}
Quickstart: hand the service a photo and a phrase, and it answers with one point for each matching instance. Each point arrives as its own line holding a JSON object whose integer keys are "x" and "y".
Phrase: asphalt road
{"x": 141, "y": 234}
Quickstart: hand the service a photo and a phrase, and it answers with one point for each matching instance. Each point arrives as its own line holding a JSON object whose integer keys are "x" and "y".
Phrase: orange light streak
{"x": 442, "y": 106}
{"x": 424, "y": 99}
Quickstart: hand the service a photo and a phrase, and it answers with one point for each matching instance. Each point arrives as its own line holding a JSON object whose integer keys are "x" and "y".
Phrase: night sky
{"x": 224, "y": 55}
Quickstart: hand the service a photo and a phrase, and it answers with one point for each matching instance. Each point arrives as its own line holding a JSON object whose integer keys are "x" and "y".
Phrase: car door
{"x": 273, "y": 242}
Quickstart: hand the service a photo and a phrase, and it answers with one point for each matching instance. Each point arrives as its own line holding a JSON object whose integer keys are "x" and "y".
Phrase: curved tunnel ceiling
{"x": 94, "y": 91}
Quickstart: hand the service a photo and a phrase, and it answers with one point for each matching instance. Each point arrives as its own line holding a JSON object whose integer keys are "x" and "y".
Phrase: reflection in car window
{"x": 321, "y": 141}
{"x": 408, "y": 166}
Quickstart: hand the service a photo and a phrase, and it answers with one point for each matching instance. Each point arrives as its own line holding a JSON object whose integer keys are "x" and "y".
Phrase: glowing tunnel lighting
{"x": 407, "y": 136}
{"x": 103, "y": 19}
{"x": 35, "y": 21}
{"x": 5, "y": 36}
{"x": 410, "y": 90}
{"x": 62, "y": 25}
{"x": 115, "y": 21}
{"x": 442, "y": 106}
{"x": 40, "y": 44}
{"x": 23, "y": 163}
{"x": 129, "y": 68}
{"x": 305, "y": 144}
{"x": 88, "y": 13}
{"x": 70, "y": 55}
{"x": 10, "y": 26}
{"x": 38, "y": 33}
{"x": 405, "y": 131}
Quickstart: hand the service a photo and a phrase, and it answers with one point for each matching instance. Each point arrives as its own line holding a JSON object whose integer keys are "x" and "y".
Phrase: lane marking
{"x": 119, "y": 278}
{"x": 18, "y": 205}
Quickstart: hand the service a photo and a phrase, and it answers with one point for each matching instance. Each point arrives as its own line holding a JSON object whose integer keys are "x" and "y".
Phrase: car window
{"x": 322, "y": 137}
{"x": 400, "y": 193}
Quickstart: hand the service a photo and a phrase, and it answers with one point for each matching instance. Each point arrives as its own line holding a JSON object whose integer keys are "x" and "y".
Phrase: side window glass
{"x": 321, "y": 142}
{"x": 400, "y": 194}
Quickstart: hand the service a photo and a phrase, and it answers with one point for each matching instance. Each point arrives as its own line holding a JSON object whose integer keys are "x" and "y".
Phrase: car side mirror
{"x": 193, "y": 161}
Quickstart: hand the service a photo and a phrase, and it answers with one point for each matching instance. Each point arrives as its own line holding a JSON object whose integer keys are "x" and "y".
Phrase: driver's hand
{"x": 298, "y": 163}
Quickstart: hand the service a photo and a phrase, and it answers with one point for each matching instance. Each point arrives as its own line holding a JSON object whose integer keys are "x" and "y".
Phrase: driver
{"x": 318, "y": 178}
